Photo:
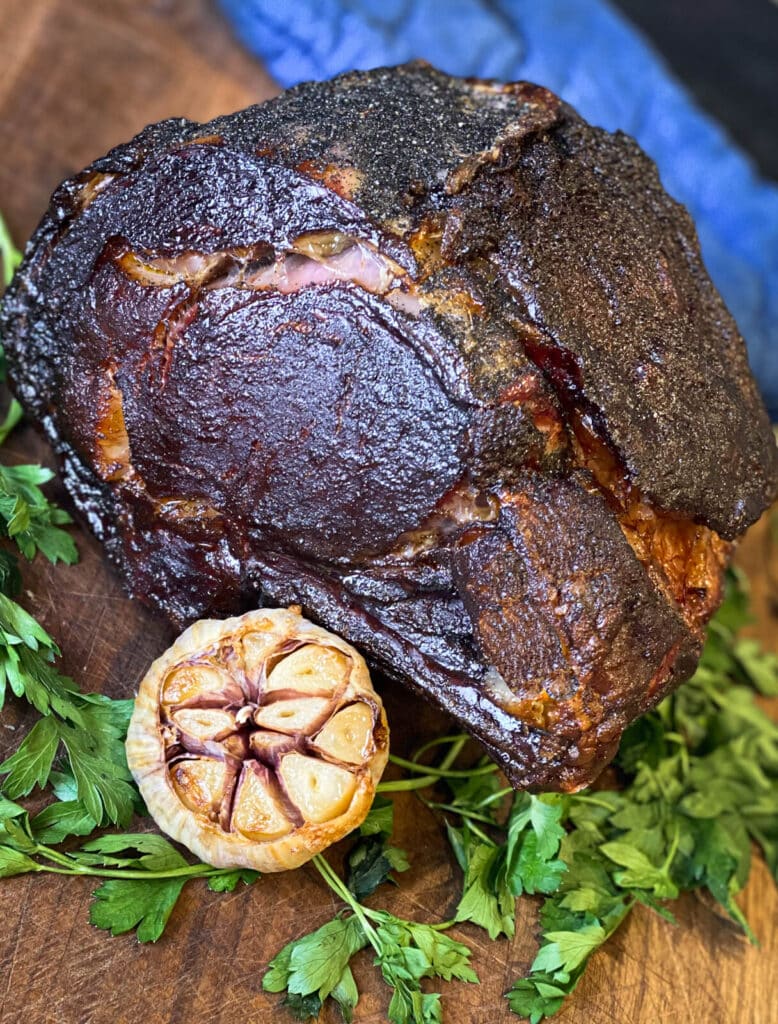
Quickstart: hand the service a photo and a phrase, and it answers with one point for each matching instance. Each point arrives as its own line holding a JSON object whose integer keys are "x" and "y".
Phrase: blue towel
{"x": 592, "y": 57}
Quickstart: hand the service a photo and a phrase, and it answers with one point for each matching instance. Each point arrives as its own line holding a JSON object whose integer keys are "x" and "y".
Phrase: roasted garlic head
{"x": 258, "y": 741}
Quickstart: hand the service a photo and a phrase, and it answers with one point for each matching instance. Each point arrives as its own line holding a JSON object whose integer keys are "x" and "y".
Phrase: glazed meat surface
{"x": 432, "y": 358}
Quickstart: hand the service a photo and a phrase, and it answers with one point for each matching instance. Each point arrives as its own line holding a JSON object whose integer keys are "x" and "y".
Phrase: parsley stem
{"x": 54, "y": 855}
{"x": 457, "y": 738}
{"x": 383, "y": 917}
{"x": 340, "y": 889}
{"x": 71, "y": 866}
{"x": 431, "y": 774}
{"x": 403, "y": 785}
{"x": 587, "y": 799}
{"x": 481, "y": 834}
{"x": 461, "y": 811}
{"x": 673, "y": 848}
{"x": 683, "y": 750}
{"x": 454, "y": 752}
{"x": 442, "y": 772}
{"x": 494, "y": 797}
{"x": 190, "y": 871}
{"x": 10, "y": 257}
{"x": 621, "y": 916}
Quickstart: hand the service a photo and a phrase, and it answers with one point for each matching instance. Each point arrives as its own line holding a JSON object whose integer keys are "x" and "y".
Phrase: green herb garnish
{"x": 10, "y": 257}
{"x": 317, "y": 966}
{"x": 143, "y": 873}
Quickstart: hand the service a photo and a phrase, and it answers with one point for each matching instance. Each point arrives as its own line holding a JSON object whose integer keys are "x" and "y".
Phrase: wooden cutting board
{"x": 76, "y": 77}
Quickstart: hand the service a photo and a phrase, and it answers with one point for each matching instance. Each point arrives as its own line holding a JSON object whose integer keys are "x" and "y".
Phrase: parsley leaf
{"x": 534, "y": 835}
{"x": 303, "y": 1007}
{"x": 318, "y": 960}
{"x": 14, "y": 862}
{"x": 61, "y": 819}
{"x": 380, "y": 818}
{"x": 759, "y": 667}
{"x": 27, "y": 517}
{"x": 346, "y": 995}
{"x": 640, "y": 873}
{"x": 441, "y": 956}
{"x": 567, "y": 950}
{"x": 156, "y": 853}
{"x": 121, "y": 906}
{"x": 229, "y": 880}
{"x": 31, "y": 764}
{"x": 10, "y": 257}
{"x": 315, "y": 964}
{"x": 486, "y": 897}
{"x": 537, "y": 997}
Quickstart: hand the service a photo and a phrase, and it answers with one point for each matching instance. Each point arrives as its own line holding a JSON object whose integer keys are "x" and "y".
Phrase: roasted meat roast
{"x": 432, "y": 358}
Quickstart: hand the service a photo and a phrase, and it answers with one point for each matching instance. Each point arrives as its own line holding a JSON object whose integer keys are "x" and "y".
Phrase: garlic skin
{"x": 258, "y": 741}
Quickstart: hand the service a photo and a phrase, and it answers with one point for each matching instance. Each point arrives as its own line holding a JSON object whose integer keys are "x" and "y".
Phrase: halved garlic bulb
{"x": 258, "y": 741}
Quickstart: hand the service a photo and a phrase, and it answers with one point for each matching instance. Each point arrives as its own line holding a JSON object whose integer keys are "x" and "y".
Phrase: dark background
{"x": 726, "y": 53}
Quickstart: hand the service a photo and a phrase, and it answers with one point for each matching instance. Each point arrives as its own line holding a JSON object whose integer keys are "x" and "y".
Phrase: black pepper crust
{"x": 504, "y": 469}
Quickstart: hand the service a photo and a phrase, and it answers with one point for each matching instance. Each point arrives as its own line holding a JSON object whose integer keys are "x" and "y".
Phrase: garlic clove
{"x": 311, "y": 669}
{"x": 298, "y": 714}
{"x": 202, "y": 724}
{"x": 206, "y": 685}
{"x": 256, "y": 648}
{"x": 257, "y": 813}
{"x": 320, "y": 791}
{"x": 348, "y": 735}
{"x": 201, "y": 784}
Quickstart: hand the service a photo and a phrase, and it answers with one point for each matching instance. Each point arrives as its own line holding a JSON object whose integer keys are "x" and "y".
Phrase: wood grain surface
{"x": 76, "y": 77}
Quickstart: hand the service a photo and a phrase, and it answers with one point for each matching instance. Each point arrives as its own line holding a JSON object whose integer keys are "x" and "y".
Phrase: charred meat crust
{"x": 432, "y": 357}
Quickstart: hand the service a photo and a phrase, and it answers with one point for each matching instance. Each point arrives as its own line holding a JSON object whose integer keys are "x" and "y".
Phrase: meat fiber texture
{"x": 430, "y": 357}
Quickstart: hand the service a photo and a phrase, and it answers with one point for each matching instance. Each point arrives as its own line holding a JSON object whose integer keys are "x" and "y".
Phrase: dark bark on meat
{"x": 434, "y": 359}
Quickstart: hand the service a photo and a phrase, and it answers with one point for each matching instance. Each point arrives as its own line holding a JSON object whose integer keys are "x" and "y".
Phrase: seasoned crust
{"x": 539, "y": 348}
{"x": 598, "y": 259}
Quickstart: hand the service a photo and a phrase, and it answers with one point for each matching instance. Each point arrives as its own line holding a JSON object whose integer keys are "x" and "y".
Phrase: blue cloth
{"x": 592, "y": 57}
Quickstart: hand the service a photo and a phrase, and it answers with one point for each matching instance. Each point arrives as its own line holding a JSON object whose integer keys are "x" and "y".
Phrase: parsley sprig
{"x": 317, "y": 965}
{"x": 698, "y": 784}
{"x": 88, "y": 727}
{"x": 143, "y": 873}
